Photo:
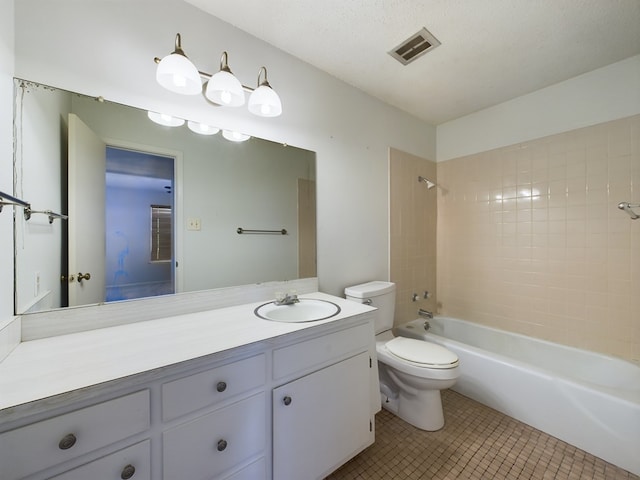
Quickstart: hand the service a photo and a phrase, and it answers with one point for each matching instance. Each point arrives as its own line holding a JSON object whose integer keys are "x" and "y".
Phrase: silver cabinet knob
{"x": 222, "y": 445}
{"x": 221, "y": 386}
{"x": 287, "y": 400}
{"x": 128, "y": 472}
{"x": 67, "y": 442}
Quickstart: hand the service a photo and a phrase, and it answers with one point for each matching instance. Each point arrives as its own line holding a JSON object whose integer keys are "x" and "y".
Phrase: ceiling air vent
{"x": 414, "y": 47}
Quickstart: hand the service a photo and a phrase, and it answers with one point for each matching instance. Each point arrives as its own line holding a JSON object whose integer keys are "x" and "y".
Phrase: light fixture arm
{"x": 178, "y": 49}
{"x": 265, "y": 82}
{"x": 224, "y": 62}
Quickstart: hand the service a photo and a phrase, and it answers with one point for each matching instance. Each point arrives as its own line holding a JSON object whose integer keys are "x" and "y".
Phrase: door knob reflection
{"x": 86, "y": 276}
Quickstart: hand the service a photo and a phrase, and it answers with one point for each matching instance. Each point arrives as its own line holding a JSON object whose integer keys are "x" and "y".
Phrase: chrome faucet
{"x": 425, "y": 314}
{"x": 288, "y": 299}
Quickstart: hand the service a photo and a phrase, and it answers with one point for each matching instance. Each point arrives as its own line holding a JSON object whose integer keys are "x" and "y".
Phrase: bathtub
{"x": 589, "y": 400}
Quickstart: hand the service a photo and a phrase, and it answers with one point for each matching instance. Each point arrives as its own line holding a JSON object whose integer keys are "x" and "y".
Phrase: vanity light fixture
{"x": 223, "y": 87}
{"x": 164, "y": 119}
{"x": 176, "y": 73}
{"x": 202, "y": 128}
{"x": 264, "y": 101}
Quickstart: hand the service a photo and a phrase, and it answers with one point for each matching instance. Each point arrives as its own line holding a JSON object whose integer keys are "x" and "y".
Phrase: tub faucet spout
{"x": 425, "y": 314}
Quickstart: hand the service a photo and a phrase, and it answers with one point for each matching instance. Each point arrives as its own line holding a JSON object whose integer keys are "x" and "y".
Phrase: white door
{"x": 87, "y": 166}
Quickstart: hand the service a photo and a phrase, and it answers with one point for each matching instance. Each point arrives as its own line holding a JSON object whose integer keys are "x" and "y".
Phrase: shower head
{"x": 429, "y": 183}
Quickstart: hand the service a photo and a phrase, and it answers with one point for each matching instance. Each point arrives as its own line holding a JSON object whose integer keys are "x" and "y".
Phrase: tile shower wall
{"x": 413, "y": 210}
{"x": 530, "y": 238}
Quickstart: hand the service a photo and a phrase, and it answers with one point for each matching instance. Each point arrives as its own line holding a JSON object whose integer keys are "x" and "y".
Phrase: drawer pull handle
{"x": 221, "y": 386}
{"x": 287, "y": 400}
{"x": 67, "y": 442}
{"x": 128, "y": 472}
{"x": 222, "y": 445}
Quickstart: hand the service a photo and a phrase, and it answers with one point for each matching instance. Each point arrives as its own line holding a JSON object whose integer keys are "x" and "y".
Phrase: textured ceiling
{"x": 492, "y": 50}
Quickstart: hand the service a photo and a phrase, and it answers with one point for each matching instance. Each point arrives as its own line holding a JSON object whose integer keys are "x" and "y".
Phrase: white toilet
{"x": 412, "y": 372}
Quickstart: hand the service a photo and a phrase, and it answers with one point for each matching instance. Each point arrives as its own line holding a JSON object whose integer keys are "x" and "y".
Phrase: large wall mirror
{"x": 153, "y": 210}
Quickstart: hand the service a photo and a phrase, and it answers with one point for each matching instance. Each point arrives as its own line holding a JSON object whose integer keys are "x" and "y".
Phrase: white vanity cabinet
{"x": 322, "y": 419}
{"x": 268, "y": 401}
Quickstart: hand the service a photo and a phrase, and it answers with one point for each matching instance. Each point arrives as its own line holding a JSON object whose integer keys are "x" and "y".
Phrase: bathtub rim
{"x": 626, "y": 395}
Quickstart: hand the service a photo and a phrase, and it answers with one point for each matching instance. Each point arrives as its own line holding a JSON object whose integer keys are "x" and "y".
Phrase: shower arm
{"x": 627, "y": 207}
{"x": 429, "y": 183}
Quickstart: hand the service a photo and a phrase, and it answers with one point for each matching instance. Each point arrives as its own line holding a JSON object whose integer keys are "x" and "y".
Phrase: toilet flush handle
{"x": 367, "y": 301}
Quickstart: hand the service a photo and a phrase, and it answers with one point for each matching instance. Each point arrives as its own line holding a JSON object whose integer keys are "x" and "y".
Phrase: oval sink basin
{"x": 306, "y": 310}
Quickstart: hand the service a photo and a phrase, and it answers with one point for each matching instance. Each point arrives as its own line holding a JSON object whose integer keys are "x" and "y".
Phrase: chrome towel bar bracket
{"x": 6, "y": 199}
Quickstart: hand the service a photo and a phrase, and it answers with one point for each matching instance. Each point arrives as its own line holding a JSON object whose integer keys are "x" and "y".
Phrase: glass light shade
{"x": 175, "y": 72}
{"x": 265, "y": 102}
{"x": 202, "y": 128}
{"x": 164, "y": 119}
{"x": 224, "y": 89}
{"x": 235, "y": 136}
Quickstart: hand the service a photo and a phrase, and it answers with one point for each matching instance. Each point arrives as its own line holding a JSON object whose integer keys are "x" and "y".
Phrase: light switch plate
{"x": 193, "y": 224}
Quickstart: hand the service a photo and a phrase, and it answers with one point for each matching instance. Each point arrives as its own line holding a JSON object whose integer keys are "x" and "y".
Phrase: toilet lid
{"x": 425, "y": 353}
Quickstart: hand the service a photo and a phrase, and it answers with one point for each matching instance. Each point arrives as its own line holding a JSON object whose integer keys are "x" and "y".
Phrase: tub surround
{"x": 131, "y": 395}
{"x": 531, "y": 240}
{"x": 587, "y": 399}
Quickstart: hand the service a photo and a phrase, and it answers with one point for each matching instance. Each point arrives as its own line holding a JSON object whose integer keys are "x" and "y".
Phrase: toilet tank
{"x": 381, "y": 295}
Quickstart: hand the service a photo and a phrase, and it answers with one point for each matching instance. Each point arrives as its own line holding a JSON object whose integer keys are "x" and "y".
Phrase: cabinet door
{"x": 321, "y": 420}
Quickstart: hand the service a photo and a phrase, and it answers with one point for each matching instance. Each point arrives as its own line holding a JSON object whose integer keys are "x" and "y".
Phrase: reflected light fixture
{"x": 202, "y": 128}
{"x": 175, "y": 72}
{"x": 235, "y": 136}
{"x": 164, "y": 119}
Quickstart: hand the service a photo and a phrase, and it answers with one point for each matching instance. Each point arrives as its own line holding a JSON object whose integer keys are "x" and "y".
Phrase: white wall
{"x": 595, "y": 97}
{"x": 107, "y": 48}
{"x": 6, "y": 164}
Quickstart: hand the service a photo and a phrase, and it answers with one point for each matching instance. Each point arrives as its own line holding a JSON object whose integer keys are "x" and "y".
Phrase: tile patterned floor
{"x": 477, "y": 443}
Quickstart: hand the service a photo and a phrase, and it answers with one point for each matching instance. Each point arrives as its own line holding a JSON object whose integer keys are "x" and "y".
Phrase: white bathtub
{"x": 587, "y": 399}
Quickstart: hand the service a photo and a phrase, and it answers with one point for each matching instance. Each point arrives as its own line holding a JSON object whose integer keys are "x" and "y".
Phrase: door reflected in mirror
{"x": 210, "y": 185}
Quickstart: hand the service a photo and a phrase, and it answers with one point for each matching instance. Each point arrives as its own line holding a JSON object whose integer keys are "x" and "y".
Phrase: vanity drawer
{"x": 192, "y": 393}
{"x": 306, "y": 356}
{"x": 212, "y": 444}
{"x": 130, "y": 463}
{"x": 29, "y": 449}
{"x": 255, "y": 471}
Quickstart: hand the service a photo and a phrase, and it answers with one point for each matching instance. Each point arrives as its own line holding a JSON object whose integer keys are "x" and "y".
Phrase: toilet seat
{"x": 421, "y": 353}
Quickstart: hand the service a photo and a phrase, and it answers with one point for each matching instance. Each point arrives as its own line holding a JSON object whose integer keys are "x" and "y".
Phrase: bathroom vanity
{"x": 219, "y": 394}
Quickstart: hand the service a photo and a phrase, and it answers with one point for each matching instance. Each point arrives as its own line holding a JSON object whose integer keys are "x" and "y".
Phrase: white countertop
{"x": 43, "y": 368}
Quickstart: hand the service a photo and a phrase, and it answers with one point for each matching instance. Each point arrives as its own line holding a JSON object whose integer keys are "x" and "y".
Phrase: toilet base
{"x": 423, "y": 411}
